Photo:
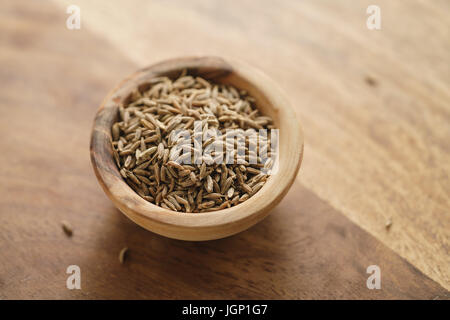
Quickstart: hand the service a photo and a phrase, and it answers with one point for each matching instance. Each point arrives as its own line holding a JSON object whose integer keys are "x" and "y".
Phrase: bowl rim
{"x": 138, "y": 209}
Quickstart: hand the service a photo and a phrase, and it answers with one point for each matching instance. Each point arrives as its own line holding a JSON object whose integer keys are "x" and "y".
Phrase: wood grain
{"x": 375, "y": 149}
{"x": 52, "y": 80}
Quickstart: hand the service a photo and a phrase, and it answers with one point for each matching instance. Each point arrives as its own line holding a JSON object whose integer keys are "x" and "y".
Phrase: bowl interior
{"x": 269, "y": 101}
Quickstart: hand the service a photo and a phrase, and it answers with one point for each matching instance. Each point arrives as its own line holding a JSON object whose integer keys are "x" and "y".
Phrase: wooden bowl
{"x": 210, "y": 225}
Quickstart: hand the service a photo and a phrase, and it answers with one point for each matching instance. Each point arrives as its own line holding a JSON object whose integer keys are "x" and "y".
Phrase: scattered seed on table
{"x": 388, "y": 224}
{"x": 123, "y": 254}
{"x": 67, "y": 228}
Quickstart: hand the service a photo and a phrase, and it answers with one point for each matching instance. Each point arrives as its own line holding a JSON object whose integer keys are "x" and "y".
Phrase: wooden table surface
{"x": 374, "y": 105}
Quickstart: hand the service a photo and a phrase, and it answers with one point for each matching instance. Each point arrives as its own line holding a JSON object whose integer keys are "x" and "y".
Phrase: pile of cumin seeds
{"x": 146, "y": 152}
